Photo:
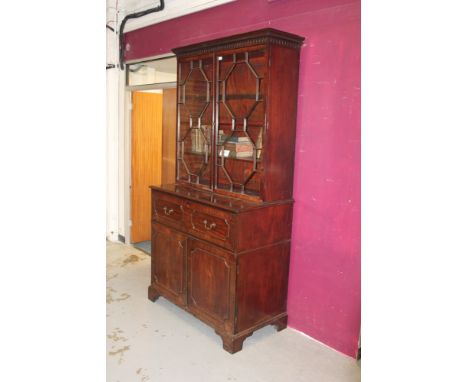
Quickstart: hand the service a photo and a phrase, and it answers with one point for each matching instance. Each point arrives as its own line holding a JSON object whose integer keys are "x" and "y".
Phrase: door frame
{"x": 127, "y": 149}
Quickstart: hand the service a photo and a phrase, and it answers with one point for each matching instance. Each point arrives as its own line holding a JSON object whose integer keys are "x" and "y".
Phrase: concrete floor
{"x": 159, "y": 342}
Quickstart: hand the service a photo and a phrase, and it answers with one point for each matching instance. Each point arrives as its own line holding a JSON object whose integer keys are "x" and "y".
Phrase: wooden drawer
{"x": 167, "y": 209}
{"x": 210, "y": 224}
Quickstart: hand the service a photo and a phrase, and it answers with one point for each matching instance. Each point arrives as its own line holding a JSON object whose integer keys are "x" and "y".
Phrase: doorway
{"x": 153, "y": 135}
{"x": 150, "y": 136}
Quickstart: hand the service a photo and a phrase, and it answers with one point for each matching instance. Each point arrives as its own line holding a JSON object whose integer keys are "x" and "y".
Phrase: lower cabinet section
{"x": 235, "y": 293}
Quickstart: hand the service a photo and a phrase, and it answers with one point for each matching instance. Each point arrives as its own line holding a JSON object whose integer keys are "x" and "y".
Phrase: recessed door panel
{"x": 168, "y": 262}
{"x": 209, "y": 280}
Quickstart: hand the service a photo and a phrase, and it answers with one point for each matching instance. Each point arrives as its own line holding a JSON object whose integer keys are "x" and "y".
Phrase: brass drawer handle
{"x": 209, "y": 227}
{"x": 168, "y": 212}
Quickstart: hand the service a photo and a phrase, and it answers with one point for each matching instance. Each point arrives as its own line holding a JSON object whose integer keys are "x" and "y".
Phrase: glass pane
{"x": 235, "y": 144}
{"x": 195, "y": 121}
{"x": 241, "y": 116}
{"x": 153, "y": 72}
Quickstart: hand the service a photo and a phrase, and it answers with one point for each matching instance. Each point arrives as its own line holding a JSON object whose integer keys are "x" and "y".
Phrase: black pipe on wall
{"x": 135, "y": 15}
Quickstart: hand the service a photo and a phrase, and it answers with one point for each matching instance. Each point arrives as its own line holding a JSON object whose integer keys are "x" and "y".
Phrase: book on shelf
{"x": 233, "y": 154}
{"x": 197, "y": 140}
{"x": 238, "y": 147}
{"x": 243, "y": 154}
{"x": 193, "y": 151}
{"x": 222, "y": 138}
{"x": 238, "y": 139}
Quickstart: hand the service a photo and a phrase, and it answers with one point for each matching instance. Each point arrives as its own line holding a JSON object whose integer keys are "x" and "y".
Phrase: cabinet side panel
{"x": 264, "y": 226}
{"x": 281, "y": 133}
{"x": 262, "y": 285}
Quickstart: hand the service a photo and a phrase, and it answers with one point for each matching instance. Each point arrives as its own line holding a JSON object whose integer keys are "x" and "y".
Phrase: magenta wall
{"x": 324, "y": 298}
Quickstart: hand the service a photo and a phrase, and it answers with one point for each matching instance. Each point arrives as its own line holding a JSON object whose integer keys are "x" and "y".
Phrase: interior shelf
{"x": 249, "y": 124}
{"x": 247, "y": 159}
{"x": 241, "y": 97}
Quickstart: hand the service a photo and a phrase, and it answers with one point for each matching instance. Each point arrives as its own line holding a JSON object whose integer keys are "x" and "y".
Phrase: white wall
{"x": 112, "y": 103}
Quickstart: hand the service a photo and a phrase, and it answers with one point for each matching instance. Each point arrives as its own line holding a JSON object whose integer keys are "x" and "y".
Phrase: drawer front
{"x": 210, "y": 224}
{"x": 168, "y": 210}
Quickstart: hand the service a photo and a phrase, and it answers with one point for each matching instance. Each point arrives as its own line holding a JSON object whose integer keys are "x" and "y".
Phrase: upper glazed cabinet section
{"x": 223, "y": 137}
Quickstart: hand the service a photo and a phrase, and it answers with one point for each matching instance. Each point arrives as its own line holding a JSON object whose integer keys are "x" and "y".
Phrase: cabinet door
{"x": 211, "y": 283}
{"x": 241, "y": 97}
{"x": 168, "y": 257}
{"x": 195, "y": 120}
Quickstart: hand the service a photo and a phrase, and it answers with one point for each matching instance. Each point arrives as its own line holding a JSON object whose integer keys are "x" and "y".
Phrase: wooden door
{"x": 146, "y": 160}
{"x": 169, "y": 136}
{"x": 168, "y": 249}
{"x": 211, "y": 283}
